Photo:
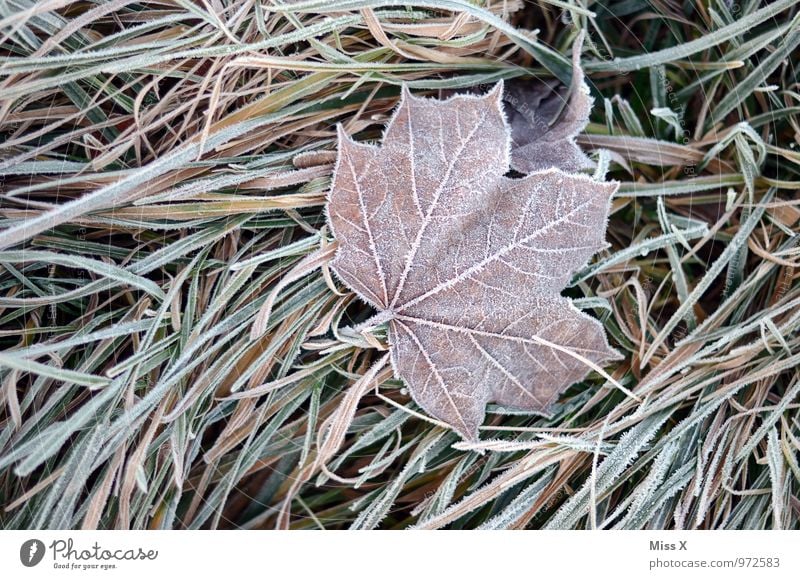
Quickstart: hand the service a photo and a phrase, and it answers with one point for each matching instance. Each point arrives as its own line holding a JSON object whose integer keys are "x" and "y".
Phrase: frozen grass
{"x": 164, "y": 166}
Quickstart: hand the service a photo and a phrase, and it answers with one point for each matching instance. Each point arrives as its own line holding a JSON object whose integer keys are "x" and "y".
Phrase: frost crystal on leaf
{"x": 465, "y": 264}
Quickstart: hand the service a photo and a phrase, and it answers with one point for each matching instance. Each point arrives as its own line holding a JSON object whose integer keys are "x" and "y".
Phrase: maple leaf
{"x": 465, "y": 264}
{"x": 545, "y": 118}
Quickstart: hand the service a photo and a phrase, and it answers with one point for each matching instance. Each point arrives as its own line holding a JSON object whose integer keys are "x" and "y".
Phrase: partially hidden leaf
{"x": 465, "y": 264}
{"x": 545, "y": 118}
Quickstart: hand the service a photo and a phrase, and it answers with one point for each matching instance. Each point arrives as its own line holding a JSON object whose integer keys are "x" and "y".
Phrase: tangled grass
{"x": 164, "y": 166}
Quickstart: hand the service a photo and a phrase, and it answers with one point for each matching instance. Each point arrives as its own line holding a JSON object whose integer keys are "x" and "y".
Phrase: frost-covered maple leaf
{"x": 545, "y": 118}
{"x": 465, "y": 264}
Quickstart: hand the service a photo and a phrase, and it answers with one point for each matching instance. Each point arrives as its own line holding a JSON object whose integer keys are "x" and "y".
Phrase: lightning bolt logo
{"x": 32, "y": 551}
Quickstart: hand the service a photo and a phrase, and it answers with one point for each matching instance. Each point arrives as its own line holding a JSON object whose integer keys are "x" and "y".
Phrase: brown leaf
{"x": 545, "y": 118}
{"x": 543, "y": 135}
{"x": 466, "y": 265}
